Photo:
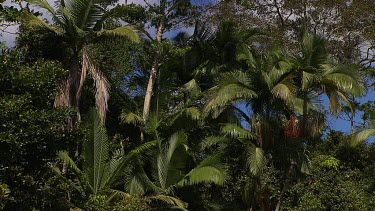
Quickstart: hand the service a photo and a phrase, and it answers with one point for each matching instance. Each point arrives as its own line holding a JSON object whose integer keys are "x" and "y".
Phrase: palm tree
{"x": 168, "y": 171}
{"x": 79, "y": 23}
{"x": 100, "y": 170}
{"x": 315, "y": 74}
{"x": 261, "y": 86}
{"x": 169, "y": 158}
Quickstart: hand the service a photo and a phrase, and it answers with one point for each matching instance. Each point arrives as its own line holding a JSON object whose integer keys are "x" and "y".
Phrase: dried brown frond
{"x": 101, "y": 84}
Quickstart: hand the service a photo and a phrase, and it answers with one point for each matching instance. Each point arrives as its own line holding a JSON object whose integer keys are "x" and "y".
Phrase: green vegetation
{"x": 233, "y": 116}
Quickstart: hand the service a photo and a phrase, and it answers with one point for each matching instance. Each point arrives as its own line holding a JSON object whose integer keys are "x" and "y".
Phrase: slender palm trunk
{"x": 154, "y": 71}
{"x": 285, "y": 186}
{"x": 304, "y": 116}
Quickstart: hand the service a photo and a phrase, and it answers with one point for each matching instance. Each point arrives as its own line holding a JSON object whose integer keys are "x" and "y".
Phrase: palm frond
{"x": 84, "y": 13}
{"x": 192, "y": 87}
{"x": 212, "y": 140}
{"x": 101, "y": 84}
{"x": 236, "y": 131}
{"x": 170, "y": 200}
{"x": 166, "y": 154}
{"x": 345, "y": 77}
{"x": 132, "y": 118}
{"x": 230, "y": 93}
{"x": 136, "y": 180}
{"x": 285, "y": 89}
{"x": 244, "y": 53}
{"x": 64, "y": 156}
{"x": 124, "y": 31}
{"x": 256, "y": 161}
{"x": 193, "y": 112}
{"x": 307, "y": 79}
{"x": 33, "y": 21}
{"x": 128, "y": 159}
{"x": 209, "y": 170}
{"x": 43, "y": 4}
{"x": 117, "y": 194}
{"x": 96, "y": 153}
{"x": 363, "y": 135}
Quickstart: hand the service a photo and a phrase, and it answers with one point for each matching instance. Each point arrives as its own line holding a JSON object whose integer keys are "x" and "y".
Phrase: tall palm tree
{"x": 316, "y": 74}
{"x": 79, "y": 23}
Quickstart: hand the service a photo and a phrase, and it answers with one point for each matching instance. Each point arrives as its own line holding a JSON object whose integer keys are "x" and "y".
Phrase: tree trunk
{"x": 154, "y": 71}
{"x": 304, "y": 116}
{"x": 67, "y": 91}
{"x": 67, "y": 97}
{"x": 285, "y": 187}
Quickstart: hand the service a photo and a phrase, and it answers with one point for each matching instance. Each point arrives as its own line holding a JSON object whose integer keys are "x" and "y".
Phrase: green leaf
{"x": 170, "y": 200}
{"x": 124, "y": 31}
{"x": 132, "y": 118}
{"x": 256, "y": 161}
{"x": 209, "y": 170}
{"x": 363, "y": 135}
{"x": 236, "y": 131}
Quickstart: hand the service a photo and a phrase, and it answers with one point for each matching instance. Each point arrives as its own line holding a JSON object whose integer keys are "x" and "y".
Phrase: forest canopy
{"x": 187, "y": 105}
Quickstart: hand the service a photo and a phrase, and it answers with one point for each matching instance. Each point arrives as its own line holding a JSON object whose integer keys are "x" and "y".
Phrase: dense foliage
{"x": 232, "y": 116}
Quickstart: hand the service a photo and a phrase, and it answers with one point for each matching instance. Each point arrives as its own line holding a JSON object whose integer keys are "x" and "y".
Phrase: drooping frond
{"x": 138, "y": 182}
{"x": 165, "y": 156}
{"x": 33, "y": 21}
{"x": 212, "y": 140}
{"x": 313, "y": 50}
{"x": 244, "y": 53}
{"x": 171, "y": 200}
{"x": 226, "y": 94}
{"x": 298, "y": 105}
{"x": 124, "y": 32}
{"x": 101, "y": 84}
{"x": 308, "y": 79}
{"x": 117, "y": 194}
{"x": 363, "y": 135}
{"x": 193, "y": 112}
{"x": 285, "y": 89}
{"x": 256, "y": 161}
{"x": 209, "y": 170}
{"x": 44, "y": 5}
{"x": 189, "y": 112}
{"x": 63, "y": 156}
{"x": 345, "y": 78}
{"x": 129, "y": 158}
{"x": 192, "y": 87}
{"x": 132, "y": 118}
{"x": 236, "y": 131}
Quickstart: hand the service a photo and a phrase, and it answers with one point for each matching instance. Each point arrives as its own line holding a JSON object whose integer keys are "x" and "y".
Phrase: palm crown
{"x": 80, "y": 22}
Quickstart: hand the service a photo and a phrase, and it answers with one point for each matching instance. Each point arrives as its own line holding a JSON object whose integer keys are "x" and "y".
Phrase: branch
{"x": 279, "y": 14}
